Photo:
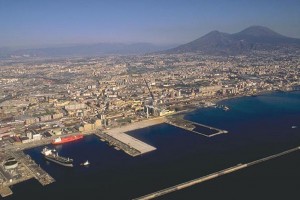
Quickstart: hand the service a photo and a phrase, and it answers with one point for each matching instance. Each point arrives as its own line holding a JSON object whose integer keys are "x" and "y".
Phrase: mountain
{"x": 99, "y": 49}
{"x": 249, "y": 39}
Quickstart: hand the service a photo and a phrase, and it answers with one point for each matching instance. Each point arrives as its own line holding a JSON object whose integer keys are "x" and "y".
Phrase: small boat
{"x": 225, "y": 108}
{"x": 86, "y": 163}
{"x": 294, "y": 126}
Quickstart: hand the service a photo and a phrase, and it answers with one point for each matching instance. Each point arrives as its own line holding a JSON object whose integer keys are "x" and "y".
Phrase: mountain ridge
{"x": 247, "y": 40}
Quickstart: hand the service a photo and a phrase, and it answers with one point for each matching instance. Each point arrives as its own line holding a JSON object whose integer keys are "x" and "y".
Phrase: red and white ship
{"x": 61, "y": 140}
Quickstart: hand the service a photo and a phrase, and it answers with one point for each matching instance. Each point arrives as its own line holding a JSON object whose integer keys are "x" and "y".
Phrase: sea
{"x": 257, "y": 127}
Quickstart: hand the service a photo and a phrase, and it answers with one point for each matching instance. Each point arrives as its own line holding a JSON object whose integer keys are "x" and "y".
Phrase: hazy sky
{"x": 36, "y": 22}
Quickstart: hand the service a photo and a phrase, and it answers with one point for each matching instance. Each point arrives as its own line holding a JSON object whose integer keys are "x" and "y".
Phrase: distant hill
{"x": 99, "y": 49}
{"x": 252, "y": 38}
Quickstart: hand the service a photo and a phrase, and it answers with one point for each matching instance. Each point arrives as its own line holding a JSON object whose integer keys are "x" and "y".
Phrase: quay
{"x": 5, "y": 191}
{"x": 212, "y": 176}
{"x": 118, "y": 144}
{"x": 23, "y": 168}
{"x": 191, "y": 126}
{"x": 130, "y": 145}
{"x": 36, "y": 171}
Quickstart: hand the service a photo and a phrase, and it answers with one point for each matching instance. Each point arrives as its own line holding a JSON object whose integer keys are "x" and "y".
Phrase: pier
{"x": 193, "y": 126}
{"x": 36, "y": 171}
{"x": 213, "y": 175}
{"x": 127, "y": 143}
{"x": 24, "y": 169}
{"x": 119, "y": 145}
{"x": 5, "y": 191}
{"x": 117, "y": 137}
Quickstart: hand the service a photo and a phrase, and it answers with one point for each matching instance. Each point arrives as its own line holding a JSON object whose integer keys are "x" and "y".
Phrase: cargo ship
{"x": 61, "y": 140}
{"x": 52, "y": 155}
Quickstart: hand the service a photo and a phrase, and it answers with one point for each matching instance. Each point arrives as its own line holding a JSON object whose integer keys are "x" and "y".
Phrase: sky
{"x": 54, "y": 22}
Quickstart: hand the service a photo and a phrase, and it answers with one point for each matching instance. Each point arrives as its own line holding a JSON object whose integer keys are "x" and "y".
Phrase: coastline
{"x": 152, "y": 120}
{"x": 136, "y": 125}
{"x": 182, "y": 113}
{"x": 143, "y": 123}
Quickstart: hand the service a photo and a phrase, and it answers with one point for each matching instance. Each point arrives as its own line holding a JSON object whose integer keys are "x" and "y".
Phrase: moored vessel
{"x": 62, "y": 140}
{"x": 52, "y": 155}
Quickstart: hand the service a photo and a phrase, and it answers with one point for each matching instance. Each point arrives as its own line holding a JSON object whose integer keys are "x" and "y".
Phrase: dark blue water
{"x": 258, "y": 127}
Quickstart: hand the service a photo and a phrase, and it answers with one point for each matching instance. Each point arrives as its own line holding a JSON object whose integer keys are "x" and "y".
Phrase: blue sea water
{"x": 258, "y": 127}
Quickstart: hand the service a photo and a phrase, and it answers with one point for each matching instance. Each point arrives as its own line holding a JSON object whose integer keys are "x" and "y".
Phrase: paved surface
{"x": 119, "y": 134}
{"x": 142, "y": 147}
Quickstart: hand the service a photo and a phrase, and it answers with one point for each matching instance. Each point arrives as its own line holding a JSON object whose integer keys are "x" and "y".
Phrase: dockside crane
{"x": 151, "y": 94}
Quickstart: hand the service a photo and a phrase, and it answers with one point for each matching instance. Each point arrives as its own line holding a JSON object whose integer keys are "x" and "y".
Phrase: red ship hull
{"x": 67, "y": 139}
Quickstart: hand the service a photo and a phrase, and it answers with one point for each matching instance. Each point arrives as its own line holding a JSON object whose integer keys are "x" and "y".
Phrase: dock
{"x": 126, "y": 143}
{"x": 36, "y": 171}
{"x": 213, "y": 175}
{"x": 118, "y": 144}
{"x": 118, "y": 138}
{"x": 5, "y": 191}
{"x": 25, "y": 169}
{"x": 192, "y": 126}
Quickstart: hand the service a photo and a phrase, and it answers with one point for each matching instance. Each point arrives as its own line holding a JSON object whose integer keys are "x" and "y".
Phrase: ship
{"x": 62, "y": 140}
{"x": 225, "y": 108}
{"x": 52, "y": 155}
{"x": 86, "y": 163}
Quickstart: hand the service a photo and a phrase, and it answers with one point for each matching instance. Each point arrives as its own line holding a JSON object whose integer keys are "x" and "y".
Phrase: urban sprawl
{"x": 43, "y": 99}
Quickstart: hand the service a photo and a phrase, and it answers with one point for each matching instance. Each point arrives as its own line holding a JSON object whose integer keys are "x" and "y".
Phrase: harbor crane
{"x": 151, "y": 94}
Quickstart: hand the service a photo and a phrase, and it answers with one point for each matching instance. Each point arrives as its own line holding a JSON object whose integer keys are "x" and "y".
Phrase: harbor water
{"x": 257, "y": 127}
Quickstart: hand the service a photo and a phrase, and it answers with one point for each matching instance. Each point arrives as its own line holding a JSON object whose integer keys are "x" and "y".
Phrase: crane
{"x": 152, "y": 96}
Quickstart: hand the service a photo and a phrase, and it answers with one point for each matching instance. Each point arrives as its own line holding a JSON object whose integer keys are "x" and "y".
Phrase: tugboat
{"x": 52, "y": 155}
{"x": 86, "y": 163}
{"x": 225, "y": 108}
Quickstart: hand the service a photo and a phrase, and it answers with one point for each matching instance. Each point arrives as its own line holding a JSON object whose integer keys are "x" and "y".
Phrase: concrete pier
{"x": 191, "y": 126}
{"x": 119, "y": 145}
{"x": 5, "y": 191}
{"x": 38, "y": 173}
{"x": 132, "y": 146}
{"x": 24, "y": 169}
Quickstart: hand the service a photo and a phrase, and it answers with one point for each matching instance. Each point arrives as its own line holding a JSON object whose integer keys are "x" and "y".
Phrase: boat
{"x": 52, "y": 155}
{"x": 225, "y": 108}
{"x": 62, "y": 140}
{"x": 294, "y": 126}
{"x": 86, "y": 163}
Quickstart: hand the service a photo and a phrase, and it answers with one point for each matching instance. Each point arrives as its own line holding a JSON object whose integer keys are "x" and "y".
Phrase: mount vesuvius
{"x": 257, "y": 38}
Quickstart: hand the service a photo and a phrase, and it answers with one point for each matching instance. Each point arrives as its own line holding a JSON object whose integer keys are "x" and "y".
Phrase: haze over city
{"x": 35, "y": 23}
{"x": 149, "y": 99}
